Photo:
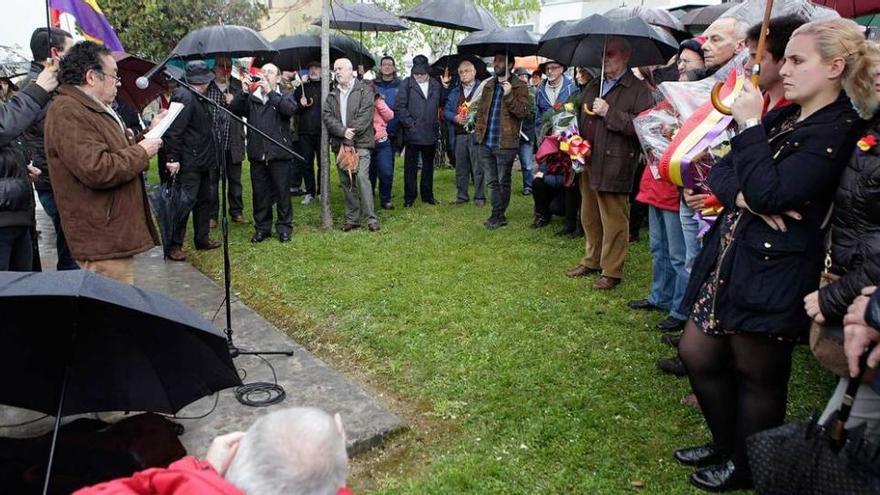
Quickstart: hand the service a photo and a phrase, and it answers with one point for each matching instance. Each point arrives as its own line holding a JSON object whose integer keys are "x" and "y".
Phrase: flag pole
{"x": 49, "y": 60}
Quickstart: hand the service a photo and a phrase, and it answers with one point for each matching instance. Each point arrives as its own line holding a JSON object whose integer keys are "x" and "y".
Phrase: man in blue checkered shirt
{"x": 502, "y": 106}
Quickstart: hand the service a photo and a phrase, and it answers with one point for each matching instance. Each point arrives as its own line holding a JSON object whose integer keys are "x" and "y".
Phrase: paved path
{"x": 306, "y": 379}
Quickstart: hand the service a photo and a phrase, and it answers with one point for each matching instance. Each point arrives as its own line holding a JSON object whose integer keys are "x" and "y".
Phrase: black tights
{"x": 741, "y": 382}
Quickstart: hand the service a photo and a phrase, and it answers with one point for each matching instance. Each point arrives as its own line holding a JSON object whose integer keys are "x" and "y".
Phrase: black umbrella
{"x": 654, "y": 16}
{"x": 583, "y": 43}
{"x": 451, "y": 62}
{"x": 461, "y": 15}
{"x": 225, "y": 40}
{"x": 85, "y": 343}
{"x": 807, "y": 457}
{"x": 517, "y": 41}
{"x": 171, "y": 205}
{"x": 296, "y": 51}
{"x": 699, "y": 19}
{"x": 362, "y": 17}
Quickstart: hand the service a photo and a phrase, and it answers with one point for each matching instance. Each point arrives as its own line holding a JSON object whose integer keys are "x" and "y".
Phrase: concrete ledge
{"x": 307, "y": 380}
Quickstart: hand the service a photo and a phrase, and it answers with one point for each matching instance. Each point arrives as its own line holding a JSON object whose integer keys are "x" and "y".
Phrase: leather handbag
{"x": 347, "y": 160}
{"x": 826, "y": 341}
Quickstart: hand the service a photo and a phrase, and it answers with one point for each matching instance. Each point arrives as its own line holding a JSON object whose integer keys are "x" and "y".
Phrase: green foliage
{"x": 151, "y": 28}
{"x": 440, "y": 41}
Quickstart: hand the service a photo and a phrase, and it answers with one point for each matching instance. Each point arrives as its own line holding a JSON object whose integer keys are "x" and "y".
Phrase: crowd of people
{"x": 799, "y": 187}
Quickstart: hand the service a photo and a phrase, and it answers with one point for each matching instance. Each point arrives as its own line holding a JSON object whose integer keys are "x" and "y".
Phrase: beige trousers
{"x": 121, "y": 269}
{"x": 605, "y": 217}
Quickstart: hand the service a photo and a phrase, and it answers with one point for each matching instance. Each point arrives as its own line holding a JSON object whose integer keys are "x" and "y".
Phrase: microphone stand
{"x": 224, "y": 221}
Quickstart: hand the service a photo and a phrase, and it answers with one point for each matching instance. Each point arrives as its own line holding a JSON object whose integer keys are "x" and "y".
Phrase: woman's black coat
{"x": 765, "y": 274}
{"x": 855, "y": 230}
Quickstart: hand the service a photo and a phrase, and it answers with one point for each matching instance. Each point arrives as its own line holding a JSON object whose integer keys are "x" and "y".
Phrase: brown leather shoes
{"x": 374, "y": 226}
{"x": 176, "y": 254}
{"x": 239, "y": 219}
{"x": 606, "y": 283}
{"x": 581, "y": 271}
{"x": 350, "y": 226}
{"x": 211, "y": 244}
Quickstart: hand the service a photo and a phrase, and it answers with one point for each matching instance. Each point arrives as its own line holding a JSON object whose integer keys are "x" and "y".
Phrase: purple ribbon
{"x": 687, "y": 175}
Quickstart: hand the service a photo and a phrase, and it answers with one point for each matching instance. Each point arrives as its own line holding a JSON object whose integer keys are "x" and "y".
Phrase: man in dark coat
{"x": 308, "y": 116}
{"x": 229, "y": 136}
{"x": 605, "y": 120}
{"x": 348, "y": 115}
{"x": 269, "y": 110}
{"x": 16, "y": 197}
{"x": 504, "y": 103}
{"x": 418, "y": 102}
{"x": 47, "y": 47}
{"x": 191, "y": 153}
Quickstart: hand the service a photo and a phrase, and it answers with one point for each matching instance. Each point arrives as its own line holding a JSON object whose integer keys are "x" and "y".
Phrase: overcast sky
{"x": 19, "y": 19}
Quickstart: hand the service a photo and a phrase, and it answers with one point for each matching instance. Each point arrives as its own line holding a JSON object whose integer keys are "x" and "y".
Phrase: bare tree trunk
{"x": 326, "y": 214}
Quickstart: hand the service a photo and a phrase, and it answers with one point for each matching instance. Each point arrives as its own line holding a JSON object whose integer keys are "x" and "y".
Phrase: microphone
{"x": 143, "y": 82}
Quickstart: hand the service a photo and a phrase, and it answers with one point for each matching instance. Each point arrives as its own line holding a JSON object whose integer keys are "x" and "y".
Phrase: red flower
{"x": 557, "y": 106}
{"x": 867, "y": 142}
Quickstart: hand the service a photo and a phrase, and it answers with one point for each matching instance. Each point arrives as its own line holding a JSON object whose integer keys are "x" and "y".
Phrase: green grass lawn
{"x": 515, "y": 378}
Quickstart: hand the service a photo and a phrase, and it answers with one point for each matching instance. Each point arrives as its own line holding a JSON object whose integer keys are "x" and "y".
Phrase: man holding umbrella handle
{"x": 605, "y": 121}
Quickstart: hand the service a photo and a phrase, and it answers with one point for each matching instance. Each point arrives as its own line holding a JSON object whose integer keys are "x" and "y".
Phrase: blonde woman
{"x": 765, "y": 252}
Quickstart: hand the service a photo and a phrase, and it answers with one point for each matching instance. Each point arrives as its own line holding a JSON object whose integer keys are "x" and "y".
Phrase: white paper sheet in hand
{"x": 157, "y": 132}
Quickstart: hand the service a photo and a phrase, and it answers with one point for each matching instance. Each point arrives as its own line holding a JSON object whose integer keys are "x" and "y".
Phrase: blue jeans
{"x": 669, "y": 279}
{"x": 382, "y": 170}
{"x": 690, "y": 229}
{"x": 526, "y": 159}
{"x": 65, "y": 260}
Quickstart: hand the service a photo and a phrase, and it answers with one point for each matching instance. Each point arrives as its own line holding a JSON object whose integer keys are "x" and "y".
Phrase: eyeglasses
{"x": 116, "y": 79}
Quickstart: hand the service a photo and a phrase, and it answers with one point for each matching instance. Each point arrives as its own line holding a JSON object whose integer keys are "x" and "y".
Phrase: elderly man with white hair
{"x": 297, "y": 451}
{"x": 268, "y": 109}
{"x": 348, "y": 115}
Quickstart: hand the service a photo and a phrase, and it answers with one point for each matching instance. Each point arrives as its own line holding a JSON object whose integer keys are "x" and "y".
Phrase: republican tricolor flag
{"x": 91, "y": 21}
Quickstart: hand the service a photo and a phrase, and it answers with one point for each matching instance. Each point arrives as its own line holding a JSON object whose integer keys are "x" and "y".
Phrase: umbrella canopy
{"x": 583, "y": 43}
{"x": 12, "y": 63}
{"x": 517, "y": 41}
{"x": 751, "y": 12}
{"x": 296, "y": 51}
{"x": 656, "y": 17}
{"x": 171, "y": 205}
{"x": 362, "y": 17}
{"x": 871, "y": 20}
{"x": 699, "y": 19}
{"x": 812, "y": 457}
{"x": 131, "y": 68}
{"x": 122, "y": 348}
{"x": 461, "y": 15}
{"x": 452, "y": 61}
{"x": 226, "y": 40}
{"x": 852, "y": 8}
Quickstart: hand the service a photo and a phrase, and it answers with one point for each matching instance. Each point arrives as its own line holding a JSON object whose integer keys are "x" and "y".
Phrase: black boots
{"x": 718, "y": 473}
{"x": 724, "y": 477}
{"x": 704, "y": 455}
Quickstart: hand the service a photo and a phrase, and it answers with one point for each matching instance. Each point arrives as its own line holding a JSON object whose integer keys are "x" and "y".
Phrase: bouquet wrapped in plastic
{"x": 564, "y": 151}
{"x": 683, "y": 135}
